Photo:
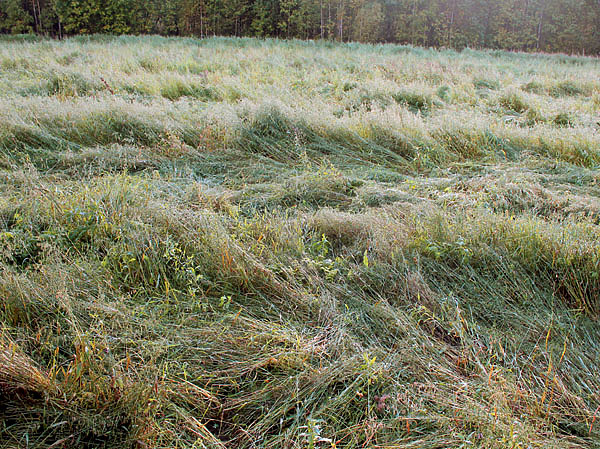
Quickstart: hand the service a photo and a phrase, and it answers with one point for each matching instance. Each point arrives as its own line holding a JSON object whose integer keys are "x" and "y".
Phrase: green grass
{"x": 239, "y": 243}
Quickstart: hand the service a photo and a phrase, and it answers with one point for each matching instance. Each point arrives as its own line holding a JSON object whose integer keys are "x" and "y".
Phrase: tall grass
{"x": 279, "y": 244}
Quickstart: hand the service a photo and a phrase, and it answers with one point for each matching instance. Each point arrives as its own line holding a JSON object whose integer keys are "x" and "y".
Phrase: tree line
{"x": 570, "y": 26}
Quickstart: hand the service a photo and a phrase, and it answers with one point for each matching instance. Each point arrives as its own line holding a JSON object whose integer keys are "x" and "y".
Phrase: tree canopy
{"x": 570, "y": 26}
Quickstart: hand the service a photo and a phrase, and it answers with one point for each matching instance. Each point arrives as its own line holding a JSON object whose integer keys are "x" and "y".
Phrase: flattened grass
{"x": 254, "y": 243}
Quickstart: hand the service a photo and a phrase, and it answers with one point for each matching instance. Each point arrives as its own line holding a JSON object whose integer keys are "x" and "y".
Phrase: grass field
{"x": 237, "y": 243}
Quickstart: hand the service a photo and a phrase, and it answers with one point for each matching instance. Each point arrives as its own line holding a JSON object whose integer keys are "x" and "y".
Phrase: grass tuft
{"x": 514, "y": 102}
{"x": 566, "y": 89}
{"x": 414, "y": 101}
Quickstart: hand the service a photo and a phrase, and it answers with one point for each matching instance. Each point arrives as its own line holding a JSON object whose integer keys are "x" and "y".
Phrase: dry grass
{"x": 259, "y": 244}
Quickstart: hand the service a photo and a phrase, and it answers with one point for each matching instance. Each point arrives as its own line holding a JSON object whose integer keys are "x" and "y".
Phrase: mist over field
{"x": 256, "y": 243}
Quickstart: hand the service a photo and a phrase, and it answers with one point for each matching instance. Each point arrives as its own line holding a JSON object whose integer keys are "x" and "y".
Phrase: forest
{"x": 564, "y": 26}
